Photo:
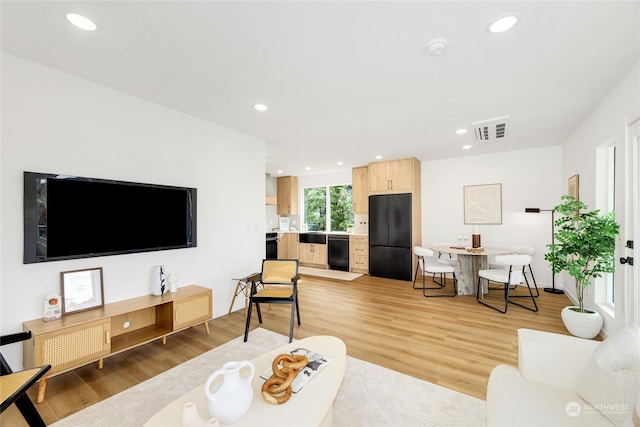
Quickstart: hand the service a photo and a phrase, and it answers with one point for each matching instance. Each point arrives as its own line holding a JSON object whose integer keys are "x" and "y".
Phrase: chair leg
{"x": 506, "y": 296}
{"x": 246, "y": 328}
{"x": 298, "y": 310}
{"x": 443, "y": 283}
{"x": 293, "y": 309}
{"x": 259, "y": 313}
{"x": 533, "y": 298}
{"x": 415, "y": 276}
{"x": 233, "y": 300}
{"x": 533, "y": 279}
{"x": 29, "y": 411}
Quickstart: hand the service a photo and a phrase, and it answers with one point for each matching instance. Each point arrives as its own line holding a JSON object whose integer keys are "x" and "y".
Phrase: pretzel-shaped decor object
{"x": 277, "y": 389}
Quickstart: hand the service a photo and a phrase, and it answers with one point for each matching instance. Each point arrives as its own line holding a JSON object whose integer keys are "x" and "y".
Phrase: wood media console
{"x": 81, "y": 338}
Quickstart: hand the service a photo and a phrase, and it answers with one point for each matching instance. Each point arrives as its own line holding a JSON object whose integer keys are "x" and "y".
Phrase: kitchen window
{"x": 328, "y": 208}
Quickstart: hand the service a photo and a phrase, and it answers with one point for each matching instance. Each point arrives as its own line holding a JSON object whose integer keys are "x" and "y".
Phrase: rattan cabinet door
{"x": 192, "y": 310}
{"x": 75, "y": 346}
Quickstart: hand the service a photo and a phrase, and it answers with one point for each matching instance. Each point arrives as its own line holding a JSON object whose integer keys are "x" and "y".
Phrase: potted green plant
{"x": 584, "y": 247}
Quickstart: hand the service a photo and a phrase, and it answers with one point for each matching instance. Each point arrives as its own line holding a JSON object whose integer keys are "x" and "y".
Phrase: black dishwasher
{"x": 338, "y": 252}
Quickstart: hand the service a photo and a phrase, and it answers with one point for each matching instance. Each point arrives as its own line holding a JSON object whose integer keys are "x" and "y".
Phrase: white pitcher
{"x": 232, "y": 394}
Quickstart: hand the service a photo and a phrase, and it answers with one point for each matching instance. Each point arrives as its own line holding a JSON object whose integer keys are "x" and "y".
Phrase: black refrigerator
{"x": 390, "y": 236}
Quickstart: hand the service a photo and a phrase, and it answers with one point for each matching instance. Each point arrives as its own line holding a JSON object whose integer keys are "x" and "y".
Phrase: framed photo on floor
{"x": 81, "y": 290}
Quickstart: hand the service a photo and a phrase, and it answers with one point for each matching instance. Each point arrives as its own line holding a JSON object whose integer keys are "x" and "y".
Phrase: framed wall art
{"x": 574, "y": 187}
{"x": 81, "y": 290}
{"x": 483, "y": 204}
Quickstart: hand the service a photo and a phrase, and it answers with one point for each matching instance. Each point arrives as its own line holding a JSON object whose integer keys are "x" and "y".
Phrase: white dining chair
{"x": 526, "y": 269}
{"x": 446, "y": 258}
{"x": 433, "y": 268}
{"x": 509, "y": 274}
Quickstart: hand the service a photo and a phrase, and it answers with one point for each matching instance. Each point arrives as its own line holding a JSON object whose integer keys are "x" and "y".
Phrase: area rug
{"x": 329, "y": 274}
{"x": 370, "y": 395}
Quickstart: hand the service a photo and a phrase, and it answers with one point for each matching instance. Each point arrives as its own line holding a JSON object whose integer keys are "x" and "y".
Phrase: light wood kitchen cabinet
{"x": 313, "y": 255}
{"x": 360, "y": 189}
{"x": 81, "y": 338}
{"x": 394, "y": 176}
{"x": 359, "y": 254}
{"x": 288, "y": 246}
{"x": 287, "y": 195}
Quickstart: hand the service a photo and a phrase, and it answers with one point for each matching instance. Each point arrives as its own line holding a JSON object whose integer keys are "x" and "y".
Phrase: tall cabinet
{"x": 287, "y": 195}
{"x": 360, "y": 189}
{"x": 395, "y": 177}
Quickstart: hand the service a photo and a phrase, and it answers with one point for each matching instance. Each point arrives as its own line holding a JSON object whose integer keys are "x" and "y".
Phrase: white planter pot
{"x": 583, "y": 325}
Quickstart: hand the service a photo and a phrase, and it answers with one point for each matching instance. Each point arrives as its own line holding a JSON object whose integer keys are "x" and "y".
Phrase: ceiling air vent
{"x": 491, "y": 130}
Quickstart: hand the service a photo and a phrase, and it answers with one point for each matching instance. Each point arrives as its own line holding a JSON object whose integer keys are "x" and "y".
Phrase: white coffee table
{"x": 311, "y": 406}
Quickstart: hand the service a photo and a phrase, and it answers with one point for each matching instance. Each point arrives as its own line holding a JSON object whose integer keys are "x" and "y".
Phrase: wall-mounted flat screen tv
{"x": 67, "y": 217}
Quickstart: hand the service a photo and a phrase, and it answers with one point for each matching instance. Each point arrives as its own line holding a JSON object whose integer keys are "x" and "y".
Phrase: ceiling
{"x": 346, "y": 81}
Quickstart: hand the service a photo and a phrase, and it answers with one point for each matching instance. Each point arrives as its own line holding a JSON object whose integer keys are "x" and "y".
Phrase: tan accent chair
{"x": 282, "y": 277}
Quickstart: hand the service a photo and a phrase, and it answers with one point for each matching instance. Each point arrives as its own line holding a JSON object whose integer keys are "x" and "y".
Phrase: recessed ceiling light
{"x": 378, "y": 157}
{"x": 308, "y": 168}
{"x": 280, "y": 171}
{"x": 461, "y": 131}
{"x": 467, "y": 147}
{"x": 260, "y": 107}
{"x": 503, "y": 23}
{"x": 340, "y": 163}
{"x": 81, "y": 22}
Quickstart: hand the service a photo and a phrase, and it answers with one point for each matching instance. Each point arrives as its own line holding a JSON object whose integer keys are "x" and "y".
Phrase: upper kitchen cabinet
{"x": 270, "y": 190}
{"x": 288, "y": 195}
{"x": 394, "y": 176}
{"x": 360, "y": 189}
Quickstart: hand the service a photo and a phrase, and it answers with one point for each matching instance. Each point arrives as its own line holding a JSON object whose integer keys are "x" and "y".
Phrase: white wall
{"x": 54, "y": 122}
{"x": 529, "y": 178}
{"x": 605, "y": 124}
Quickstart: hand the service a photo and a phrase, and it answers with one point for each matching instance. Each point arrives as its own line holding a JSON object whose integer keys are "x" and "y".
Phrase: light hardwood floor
{"x": 453, "y": 342}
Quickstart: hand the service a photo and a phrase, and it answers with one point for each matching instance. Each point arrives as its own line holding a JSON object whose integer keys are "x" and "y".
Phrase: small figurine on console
{"x": 52, "y": 307}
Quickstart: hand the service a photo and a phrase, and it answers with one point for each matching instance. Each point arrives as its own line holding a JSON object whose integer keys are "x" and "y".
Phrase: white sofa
{"x": 565, "y": 381}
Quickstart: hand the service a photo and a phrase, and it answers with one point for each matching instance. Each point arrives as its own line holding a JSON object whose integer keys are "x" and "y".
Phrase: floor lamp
{"x": 552, "y": 289}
